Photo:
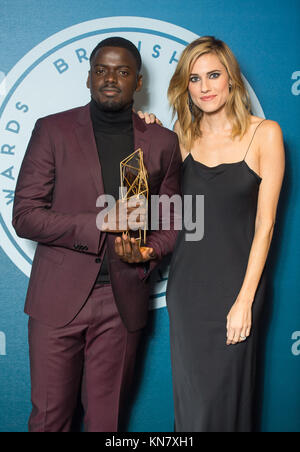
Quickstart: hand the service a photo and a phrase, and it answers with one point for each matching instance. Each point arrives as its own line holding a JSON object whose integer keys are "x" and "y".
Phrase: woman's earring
{"x": 190, "y": 103}
{"x": 230, "y": 86}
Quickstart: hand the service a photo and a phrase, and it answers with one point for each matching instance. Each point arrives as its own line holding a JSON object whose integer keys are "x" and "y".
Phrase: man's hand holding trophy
{"x": 130, "y": 213}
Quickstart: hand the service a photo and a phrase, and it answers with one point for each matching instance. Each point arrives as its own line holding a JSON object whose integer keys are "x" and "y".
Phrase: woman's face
{"x": 209, "y": 83}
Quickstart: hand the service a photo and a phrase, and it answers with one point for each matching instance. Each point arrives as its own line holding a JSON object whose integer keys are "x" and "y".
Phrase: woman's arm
{"x": 271, "y": 170}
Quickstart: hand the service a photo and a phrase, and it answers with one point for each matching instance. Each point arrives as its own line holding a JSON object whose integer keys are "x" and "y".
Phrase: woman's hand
{"x": 239, "y": 321}
{"x": 149, "y": 118}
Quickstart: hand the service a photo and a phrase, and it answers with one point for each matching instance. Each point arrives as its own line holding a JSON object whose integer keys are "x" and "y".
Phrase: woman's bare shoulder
{"x": 267, "y": 127}
{"x": 269, "y": 138}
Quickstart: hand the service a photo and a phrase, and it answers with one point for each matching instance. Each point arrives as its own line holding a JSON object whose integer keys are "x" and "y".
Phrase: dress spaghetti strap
{"x": 253, "y": 137}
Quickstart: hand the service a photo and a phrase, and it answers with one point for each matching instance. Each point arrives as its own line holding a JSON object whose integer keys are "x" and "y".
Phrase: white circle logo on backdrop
{"x": 52, "y": 78}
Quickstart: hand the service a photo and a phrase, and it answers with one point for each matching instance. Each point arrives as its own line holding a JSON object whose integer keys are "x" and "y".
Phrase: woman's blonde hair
{"x": 189, "y": 117}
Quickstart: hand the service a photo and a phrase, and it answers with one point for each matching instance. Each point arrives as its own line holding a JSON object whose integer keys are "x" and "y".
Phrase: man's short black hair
{"x": 117, "y": 41}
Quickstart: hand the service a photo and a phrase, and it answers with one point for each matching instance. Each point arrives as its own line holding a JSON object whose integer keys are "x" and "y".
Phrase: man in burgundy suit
{"x": 88, "y": 292}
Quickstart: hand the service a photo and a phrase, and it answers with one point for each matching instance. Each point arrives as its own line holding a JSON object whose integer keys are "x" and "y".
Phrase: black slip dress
{"x": 213, "y": 383}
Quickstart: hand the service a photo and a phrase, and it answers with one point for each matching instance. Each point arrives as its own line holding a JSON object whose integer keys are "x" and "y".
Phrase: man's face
{"x": 113, "y": 78}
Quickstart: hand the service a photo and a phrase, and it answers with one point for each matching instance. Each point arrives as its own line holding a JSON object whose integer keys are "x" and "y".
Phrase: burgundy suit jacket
{"x": 55, "y": 205}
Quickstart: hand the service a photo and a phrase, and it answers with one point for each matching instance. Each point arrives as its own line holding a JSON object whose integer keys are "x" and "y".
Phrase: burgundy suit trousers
{"x": 94, "y": 354}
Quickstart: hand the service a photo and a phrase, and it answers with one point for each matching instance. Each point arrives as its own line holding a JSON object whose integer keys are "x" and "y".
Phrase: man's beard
{"x": 110, "y": 105}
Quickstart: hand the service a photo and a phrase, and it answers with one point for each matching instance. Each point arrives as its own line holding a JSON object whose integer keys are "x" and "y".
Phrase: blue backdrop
{"x": 264, "y": 36}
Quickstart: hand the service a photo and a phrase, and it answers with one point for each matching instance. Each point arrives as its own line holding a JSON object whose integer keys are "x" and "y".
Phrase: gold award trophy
{"x": 134, "y": 183}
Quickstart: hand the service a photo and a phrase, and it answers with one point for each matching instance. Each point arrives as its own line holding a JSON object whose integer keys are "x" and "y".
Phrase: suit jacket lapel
{"x": 85, "y": 135}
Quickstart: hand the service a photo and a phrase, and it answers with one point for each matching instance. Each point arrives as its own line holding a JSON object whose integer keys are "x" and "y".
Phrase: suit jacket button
{"x": 97, "y": 260}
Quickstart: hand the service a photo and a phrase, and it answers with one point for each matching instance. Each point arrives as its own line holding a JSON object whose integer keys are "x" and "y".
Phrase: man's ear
{"x": 139, "y": 83}
{"x": 88, "y": 82}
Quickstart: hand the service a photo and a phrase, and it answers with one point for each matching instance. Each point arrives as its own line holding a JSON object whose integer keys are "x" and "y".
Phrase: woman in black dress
{"x": 216, "y": 285}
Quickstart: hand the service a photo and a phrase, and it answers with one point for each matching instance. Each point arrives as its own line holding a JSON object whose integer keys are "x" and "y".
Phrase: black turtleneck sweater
{"x": 115, "y": 141}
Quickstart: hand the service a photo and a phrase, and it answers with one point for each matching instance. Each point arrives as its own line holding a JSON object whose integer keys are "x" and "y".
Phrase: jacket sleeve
{"x": 33, "y": 216}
